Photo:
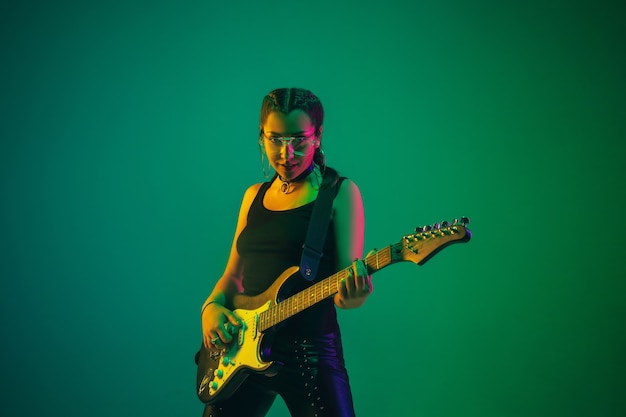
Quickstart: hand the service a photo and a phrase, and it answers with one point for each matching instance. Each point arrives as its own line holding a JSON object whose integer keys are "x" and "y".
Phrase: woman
{"x": 271, "y": 229}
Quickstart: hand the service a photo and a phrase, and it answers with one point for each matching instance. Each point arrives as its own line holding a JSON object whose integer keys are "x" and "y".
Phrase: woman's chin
{"x": 289, "y": 172}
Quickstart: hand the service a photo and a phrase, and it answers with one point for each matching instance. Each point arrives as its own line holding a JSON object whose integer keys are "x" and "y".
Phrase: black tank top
{"x": 272, "y": 242}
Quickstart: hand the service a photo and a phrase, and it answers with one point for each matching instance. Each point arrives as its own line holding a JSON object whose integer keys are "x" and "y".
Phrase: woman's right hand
{"x": 218, "y": 325}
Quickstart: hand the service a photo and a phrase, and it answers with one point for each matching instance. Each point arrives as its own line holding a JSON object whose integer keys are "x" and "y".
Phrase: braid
{"x": 286, "y": 100}
{"x": 329, "y": 175}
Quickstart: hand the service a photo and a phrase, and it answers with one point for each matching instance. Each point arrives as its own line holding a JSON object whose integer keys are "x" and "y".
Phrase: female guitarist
{"x": 310, "y": 375}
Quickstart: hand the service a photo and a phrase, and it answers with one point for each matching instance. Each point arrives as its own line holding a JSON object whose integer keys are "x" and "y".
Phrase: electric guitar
{"x": 222, "y": 370}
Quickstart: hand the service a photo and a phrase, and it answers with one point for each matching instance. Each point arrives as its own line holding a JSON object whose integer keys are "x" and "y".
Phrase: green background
{"x": 128, "y": 137}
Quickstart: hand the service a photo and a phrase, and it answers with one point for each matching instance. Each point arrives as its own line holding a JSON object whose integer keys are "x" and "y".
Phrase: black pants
{"x": 312, "y": 381}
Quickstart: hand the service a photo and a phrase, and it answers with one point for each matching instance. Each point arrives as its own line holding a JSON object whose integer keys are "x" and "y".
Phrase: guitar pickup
{"x": 236, "y": 332}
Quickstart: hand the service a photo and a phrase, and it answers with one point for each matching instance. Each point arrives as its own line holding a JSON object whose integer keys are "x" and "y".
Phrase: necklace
{"x": 285, "y": 187}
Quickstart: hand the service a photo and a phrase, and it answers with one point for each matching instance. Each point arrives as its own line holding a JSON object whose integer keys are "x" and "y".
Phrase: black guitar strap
{"x": 313, "y": 248}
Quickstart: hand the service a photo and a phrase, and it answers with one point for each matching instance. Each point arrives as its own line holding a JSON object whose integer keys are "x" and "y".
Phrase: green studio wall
{"x": 128, "y": 137}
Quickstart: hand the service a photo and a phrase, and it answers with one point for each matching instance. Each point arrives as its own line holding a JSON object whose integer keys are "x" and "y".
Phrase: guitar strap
{"x": 313, "y": 248}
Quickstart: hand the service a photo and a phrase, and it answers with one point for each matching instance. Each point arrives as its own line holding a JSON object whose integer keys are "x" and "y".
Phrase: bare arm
{"x": 349, "y": 226}
{"x": 215, "y": 313}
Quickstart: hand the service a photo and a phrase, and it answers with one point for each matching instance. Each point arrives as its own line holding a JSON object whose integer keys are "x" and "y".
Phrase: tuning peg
{"x": 426, "y": 228}
{"x": 445, "y": 223}
{"x": 437, "y": 226}
{"x": 413, "y": 238}
{"x": 418, "y": 229}
{"x": 465, "y": 220}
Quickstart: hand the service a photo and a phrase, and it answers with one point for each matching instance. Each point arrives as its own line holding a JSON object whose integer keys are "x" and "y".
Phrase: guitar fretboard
{"x": 320, "y": 290}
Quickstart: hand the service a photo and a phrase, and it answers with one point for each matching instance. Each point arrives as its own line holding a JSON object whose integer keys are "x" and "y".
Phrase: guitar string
{"x": 284, "y": 309}
{"x": 280, "y": 311}
{"x": 317, "y": 292}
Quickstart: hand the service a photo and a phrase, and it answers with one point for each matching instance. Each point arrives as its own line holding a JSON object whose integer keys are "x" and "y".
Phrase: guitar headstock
{"x": 422, "y": 245}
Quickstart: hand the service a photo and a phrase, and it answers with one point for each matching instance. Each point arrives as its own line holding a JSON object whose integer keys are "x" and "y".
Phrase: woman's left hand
{"x": 354, "y": 290}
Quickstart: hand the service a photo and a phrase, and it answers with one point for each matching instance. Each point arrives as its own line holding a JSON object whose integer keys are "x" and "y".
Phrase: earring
{"x": 265, "y": 165}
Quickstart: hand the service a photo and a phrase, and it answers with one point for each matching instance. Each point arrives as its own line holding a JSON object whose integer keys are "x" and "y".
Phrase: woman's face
{"x": 290, "y": 142}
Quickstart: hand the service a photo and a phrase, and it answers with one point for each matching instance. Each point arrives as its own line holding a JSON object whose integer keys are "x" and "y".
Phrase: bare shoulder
{"x": 348, "y": 191}
{"x": 252, "y": 190}
{"x": 348, "y": 198}
{"x": 248, "y": 196}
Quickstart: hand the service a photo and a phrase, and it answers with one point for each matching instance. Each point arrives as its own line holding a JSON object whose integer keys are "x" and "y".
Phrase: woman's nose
{"x": 287, "y": 151}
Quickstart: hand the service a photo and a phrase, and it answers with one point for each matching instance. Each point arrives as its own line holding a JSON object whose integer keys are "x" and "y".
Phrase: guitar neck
{"x": 322, "y": 289}
{"x": 418, "y": 248}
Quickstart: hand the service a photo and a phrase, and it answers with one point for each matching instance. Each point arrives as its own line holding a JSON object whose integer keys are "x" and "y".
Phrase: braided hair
{"x": 286, "y": 100}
